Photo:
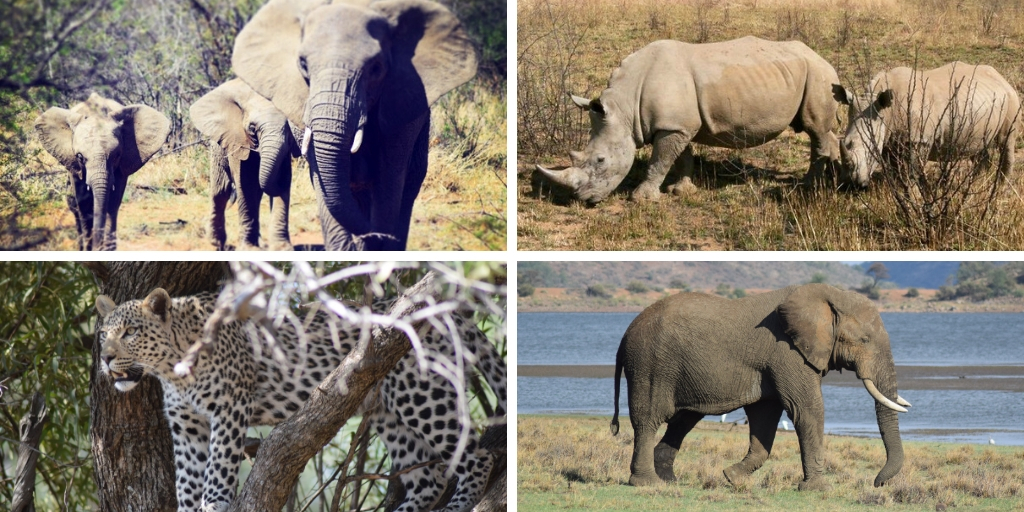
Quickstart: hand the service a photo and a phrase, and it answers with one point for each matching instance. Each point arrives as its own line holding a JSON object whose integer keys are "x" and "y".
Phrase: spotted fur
{"x": 232, "y": 389}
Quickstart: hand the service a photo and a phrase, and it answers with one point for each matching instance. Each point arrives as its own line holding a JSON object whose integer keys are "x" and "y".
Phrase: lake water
{"x": 933, "y": 339}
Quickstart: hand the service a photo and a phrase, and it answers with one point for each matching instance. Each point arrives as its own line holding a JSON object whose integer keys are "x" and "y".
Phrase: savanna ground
{"x": 751, "y": 199}
{"x": 574, "y": 463}
{"x": 167, "y": 204}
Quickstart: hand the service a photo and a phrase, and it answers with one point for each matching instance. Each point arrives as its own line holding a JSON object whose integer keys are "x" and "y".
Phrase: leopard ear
{"x": 158, "y": 303}
{"x": 105, "y": 306}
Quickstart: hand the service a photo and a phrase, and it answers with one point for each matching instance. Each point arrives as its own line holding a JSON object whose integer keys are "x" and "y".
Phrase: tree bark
{"x": 31, "y": 427}
{"x": 495, "y": 499}
{"x": 284, "y": 453}
{"x": 131, "y": 442}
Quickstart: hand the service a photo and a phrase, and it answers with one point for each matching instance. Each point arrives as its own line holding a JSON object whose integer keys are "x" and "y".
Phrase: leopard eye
{"x": 130, "y": 331}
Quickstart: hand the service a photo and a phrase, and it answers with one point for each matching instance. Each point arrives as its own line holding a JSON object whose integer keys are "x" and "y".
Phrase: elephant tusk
{"x": 880, "y": 398}
{"x": 901, "y": 401}
{"x": 357, "y": 140}
{"x": 305, "y": 140}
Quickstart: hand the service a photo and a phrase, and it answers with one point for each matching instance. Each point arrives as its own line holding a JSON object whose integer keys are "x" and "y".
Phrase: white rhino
{"x": 955, "y": 111}
{"x": 732, "y": 94}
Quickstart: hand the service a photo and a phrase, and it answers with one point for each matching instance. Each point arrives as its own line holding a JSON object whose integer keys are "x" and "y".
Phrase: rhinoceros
{"x": 952, "y": 112}
{"x": 732, "y": 94}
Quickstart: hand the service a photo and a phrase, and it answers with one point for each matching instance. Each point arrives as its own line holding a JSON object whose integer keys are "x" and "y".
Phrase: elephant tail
{"x": 618, "y": 378}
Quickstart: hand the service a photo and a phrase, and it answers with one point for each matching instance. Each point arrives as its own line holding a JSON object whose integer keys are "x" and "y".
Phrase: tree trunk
{"x": 284, "y": 453}
{"x": 131, "y": 442}
{"x": 495, "y": 439}
{"x": 31, "y": 427}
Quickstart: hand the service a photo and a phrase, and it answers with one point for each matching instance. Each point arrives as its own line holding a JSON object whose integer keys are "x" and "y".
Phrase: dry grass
{"x": 574, "y": 462}
{"x": 461, "y": 205}
{"x": 748, "y": 199}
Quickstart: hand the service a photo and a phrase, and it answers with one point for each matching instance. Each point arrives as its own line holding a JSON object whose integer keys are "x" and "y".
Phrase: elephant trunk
{"x": 333, "y": 121}
{"x": 97, "y": 176}
{"x": 888, "y": 424}
{"x": 274, "y": 154}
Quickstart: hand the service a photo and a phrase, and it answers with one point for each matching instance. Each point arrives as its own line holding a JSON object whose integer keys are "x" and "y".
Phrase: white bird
{"x": 991, "y": 441}
{"x": 785, "y": 425}
{"x": 723, "y": 418}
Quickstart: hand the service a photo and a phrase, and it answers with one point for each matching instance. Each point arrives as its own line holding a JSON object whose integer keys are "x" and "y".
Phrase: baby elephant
{"x": 953, "y": 112}
{"x": 694, "y": 354}
{"x": 101, "y": 143}
{"x": 251, "y": 149}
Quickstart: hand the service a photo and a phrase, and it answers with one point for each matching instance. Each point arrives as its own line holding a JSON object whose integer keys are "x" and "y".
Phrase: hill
{"x": 695, "y": 274}
{"x": 919, "y": 274}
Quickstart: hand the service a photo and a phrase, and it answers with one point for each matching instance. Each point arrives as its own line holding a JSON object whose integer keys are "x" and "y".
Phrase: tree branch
{"x": 31, "y": 427}
{"x": 284, "y": 453}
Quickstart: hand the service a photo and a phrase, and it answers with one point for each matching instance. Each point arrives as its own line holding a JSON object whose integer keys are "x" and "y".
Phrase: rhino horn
{"x": 571, "y": 177}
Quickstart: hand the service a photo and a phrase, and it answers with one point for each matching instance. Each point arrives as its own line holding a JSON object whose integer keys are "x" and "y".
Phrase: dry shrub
{"x": 709, "y": 472}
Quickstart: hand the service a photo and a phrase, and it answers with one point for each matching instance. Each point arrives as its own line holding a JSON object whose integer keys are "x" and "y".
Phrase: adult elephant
{"x": 252, "y": 147}
{"x": 101, "y": 143}
{"x": 694, "y": 354}
{"x": 357, "y": 79}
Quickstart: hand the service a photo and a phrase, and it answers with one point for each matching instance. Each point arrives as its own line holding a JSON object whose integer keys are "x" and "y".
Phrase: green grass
{"x": 574, "y": 463}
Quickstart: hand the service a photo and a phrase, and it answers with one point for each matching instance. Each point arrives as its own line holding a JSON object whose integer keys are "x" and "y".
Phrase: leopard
{"x": 235, "y": 385}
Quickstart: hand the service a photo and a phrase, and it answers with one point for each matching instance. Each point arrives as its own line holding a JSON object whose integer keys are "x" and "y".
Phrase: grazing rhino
{"x": 955, "y": 111}
{"x": 733, "y": 94}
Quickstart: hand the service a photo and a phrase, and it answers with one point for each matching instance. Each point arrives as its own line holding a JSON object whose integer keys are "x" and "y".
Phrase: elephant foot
{"x": 737, "y": 474}
{"x": 664, "y": 456}
{"x": 643, "y": 480}
{"x": 685, "y": 187}
{"x": 814, "y": 484}
{"x": 646, "y": 192}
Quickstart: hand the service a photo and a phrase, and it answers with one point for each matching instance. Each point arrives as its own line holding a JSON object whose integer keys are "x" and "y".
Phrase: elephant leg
{"x": 413, "y": 182}
{"x": 808, "y": 415}
{"x": 113, "y": 206}
{"x": 667, "y": 148}
{"x": 763, "y": 419}
{"x": 641, "y": 468}
{"x": 221, "y": 186}
{"x": 279, "y": 237}
{"x": 665, "y": 452}
{"x": 248, "y": 180}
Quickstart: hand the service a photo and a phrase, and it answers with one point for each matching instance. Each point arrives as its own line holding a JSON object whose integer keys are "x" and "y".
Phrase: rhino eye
{"x": 600, "y": 159}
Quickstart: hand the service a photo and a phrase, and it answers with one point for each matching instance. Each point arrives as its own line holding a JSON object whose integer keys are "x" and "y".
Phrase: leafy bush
{"x": 723, "y": 289}
{"x": 636, "y": 287}
{"x": 679, "y": 284}
{"x": 525, "y": 290}
{"x": 912, "y": 292}
{"x": 600, "y": 291}
{"x": 819, "y": 277}
{"x": 738, "y": 293}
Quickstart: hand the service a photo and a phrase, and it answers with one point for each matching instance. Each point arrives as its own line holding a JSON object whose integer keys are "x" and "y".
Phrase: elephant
{"x": 693, "y": 354}
{"x": 951, "y": 112}
{"x": 101, "y": 143}
{"x": 251, "y": 149}
{"x": 357, "y": 80}
{"x": 731, "y": 94}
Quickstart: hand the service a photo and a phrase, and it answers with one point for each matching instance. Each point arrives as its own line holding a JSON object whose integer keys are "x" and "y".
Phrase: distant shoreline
{"x": 986, "y": 378}
{"x": 568, "y": 300}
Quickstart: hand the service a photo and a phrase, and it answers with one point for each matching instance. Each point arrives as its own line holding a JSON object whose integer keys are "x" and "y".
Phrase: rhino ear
{"x": 842, "y": 95}
{"x": 810, "y": 321}
{"x": 885, "y": 99}
{"x": 219, "y": 115}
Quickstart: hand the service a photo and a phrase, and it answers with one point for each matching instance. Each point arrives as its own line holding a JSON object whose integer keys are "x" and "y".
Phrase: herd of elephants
{"x": 349, "y": 87}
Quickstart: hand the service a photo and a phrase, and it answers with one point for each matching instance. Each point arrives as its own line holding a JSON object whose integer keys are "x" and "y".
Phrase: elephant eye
{"x": 376, "y": 69}
{"x": 80, "y": 158}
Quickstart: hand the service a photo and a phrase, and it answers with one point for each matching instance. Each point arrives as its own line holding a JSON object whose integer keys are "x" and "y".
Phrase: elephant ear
{"x": 143, "y": 131}
{"x": 434, "y": 38}
{"x": 266, "y": 55}
{"x": 219, "y": 115}
{"x": 55, "y": 133}
{"x": 810, "y": 321}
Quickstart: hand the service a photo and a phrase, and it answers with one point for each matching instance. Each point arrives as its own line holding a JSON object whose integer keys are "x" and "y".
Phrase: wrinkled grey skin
{"x": 251, "y": 150}
{"x": 694, "y": 354}
{"x": 952, "y": 112}
{"x": 101, "y": 143}
{"x": 358, "y": 79}
{"x": 733, "y": 94}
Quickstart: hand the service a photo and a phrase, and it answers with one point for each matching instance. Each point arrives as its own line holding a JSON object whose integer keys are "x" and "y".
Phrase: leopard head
{"x": 135, "y": 336}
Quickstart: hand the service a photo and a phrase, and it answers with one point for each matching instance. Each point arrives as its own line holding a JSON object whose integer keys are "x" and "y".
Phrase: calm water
{"x": 937, "y": 339}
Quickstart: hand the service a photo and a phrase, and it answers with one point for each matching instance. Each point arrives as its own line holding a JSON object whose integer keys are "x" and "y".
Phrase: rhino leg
{"x": 824, "y": 159}
{"x": 684, "y": 166}
{"x": 1006, "y": 157}
{"x": 667, "y": 148}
